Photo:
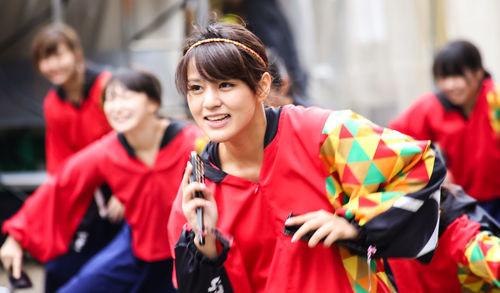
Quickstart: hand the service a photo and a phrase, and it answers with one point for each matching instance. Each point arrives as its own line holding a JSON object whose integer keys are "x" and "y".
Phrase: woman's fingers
{"x": 115, "y": 210}
{"x": 306, "y": 227}
{"x": 17, "y": 264}
{"x": 187, "y": 173}
{"x": 324, "y": 226}
{"x": 11, "y": 255}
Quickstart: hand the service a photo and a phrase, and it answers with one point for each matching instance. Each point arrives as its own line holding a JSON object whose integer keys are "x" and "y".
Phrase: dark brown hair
{"x": 223, "y": 61}
{"x": 455, "y": 58}
{"x": 47, "y": 40}
{"x": 136, "y": 80}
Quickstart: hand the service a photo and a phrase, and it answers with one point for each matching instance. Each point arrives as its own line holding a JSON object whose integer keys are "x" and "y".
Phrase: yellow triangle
{"x": 368, "y": 144}
{"x": 345, "y": 147}
{"x": 360, "y": 169}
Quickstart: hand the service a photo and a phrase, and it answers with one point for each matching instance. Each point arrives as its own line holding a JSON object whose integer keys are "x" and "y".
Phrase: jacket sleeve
{"x": 481, "y": 260}
{"x": 197, "y": 273}
{"x": 47, "y": 220}
{"x": 384, "y": 182}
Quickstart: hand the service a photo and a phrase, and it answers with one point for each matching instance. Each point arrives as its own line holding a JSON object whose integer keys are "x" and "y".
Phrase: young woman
{"x": 74, "y": 118}
{"x": 463, "y": 117}
{"x": 142, "y": 161}
{"x": 345, "y": 178}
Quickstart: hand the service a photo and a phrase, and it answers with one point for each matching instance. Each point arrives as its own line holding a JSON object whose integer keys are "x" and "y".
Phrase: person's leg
{"x": 60, "y": 270}
{"x": 113, "y": 269}
{"x": 93, "y": 234}
{"x": 116, "y": 269}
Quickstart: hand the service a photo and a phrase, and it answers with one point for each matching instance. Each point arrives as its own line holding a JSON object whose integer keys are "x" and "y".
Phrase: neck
{"x": 147, "y": 136}
{"x": 74, "y": 87}
{"x": 243, "y": 155}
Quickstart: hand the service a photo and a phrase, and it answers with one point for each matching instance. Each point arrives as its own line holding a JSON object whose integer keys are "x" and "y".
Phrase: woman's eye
{"x": 194, "y": 87}
{"x": 226, "y": 85}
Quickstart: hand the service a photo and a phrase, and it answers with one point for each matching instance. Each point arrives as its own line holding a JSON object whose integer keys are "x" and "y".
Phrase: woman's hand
{"x": 210, "y": 214}
{"x": 115, "y": 210}
{"x": 328, "y": 226}
{"x": 11, "y": 255}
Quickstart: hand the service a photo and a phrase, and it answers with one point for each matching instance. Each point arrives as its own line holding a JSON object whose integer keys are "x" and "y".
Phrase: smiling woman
{"x": 142, "y": 161}
{"x": 73, "y": 119}
{"x": 343, "y": 176}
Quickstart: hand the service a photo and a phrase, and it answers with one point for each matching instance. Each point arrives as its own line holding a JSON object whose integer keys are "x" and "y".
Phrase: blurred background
{"x": 372, "y": 56}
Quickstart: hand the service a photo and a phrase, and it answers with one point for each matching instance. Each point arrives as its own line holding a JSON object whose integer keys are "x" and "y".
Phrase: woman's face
{"x": 222, "y": 109}
{"x": 60, "y": 66}
{"x": 127, "y": 110}
{"x": 461, "y": 90}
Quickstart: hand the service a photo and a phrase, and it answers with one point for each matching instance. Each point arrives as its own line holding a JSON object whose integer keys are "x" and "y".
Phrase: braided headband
{"x": 214, "y": 40}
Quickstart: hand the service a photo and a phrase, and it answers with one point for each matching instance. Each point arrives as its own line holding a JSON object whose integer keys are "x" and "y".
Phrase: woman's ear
{"x": 264, "y": 87}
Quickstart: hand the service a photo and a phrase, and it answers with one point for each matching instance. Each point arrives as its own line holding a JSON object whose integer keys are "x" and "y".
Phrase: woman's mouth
{"x": 217, "y": 121}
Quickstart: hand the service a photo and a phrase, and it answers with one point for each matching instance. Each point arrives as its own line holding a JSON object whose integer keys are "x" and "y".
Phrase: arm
{"x": 200, "y": 268}
{"x": 195, "y": 271}
{"x": 480, "y": 258}
{"x": 47, "y": 220}
{"x": 383, "y": 182}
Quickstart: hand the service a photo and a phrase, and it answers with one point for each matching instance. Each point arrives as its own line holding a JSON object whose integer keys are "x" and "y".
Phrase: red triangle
{"x": 383, "y": 151}
{"x": 494, "y": 266}
{"x": 344, "y": 132}
{"x": 419, "y": 172}
{"x": 348, "y": 176}
{"x": 366, "y": 203}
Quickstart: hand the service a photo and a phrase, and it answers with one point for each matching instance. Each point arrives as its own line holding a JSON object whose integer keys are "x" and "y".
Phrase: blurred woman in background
{"x": 142, "y": 161}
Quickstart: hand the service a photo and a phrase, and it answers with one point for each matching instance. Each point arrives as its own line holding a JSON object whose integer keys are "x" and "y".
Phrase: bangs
{"x": 217, "y": 62}
{"x": 446, "y": 67}
{"x": 214, "y": 62}
{"x": 136, "y": 81}
{"x": 455, "y": 59}
{"x": 49, "y": 47}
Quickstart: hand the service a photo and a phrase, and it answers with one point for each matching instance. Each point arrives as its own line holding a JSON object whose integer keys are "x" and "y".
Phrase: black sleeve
{"x": 197, "y": 273}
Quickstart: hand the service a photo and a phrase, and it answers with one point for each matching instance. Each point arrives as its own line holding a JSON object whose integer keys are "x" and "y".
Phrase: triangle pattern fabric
{"x": 374, "y": 176}
{"x": 357, "y": 154}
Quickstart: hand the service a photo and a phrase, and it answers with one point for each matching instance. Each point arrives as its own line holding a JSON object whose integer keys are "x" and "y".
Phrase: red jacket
{"x": 68, "y": 128}
{"x": 314, "y": 159}
{"x": 471, "y": 146}
{"x": 47, "y": 220}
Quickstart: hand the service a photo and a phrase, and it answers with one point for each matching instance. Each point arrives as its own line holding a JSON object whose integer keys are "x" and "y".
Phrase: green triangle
{"x": 374, "y": 176}
{"x": 389, "y": 195}
{"x": 352, "y": 125}
{"x": 410, "y": 150}
{"x": 360, "y": 289}
{"x": 345, "y": 198}
{"x": 496, "y": 113}
{"x": 330, "y": 187}
{"x": 496, "y": 283}
{"x": 356, "y": 153}
{"x": 477, "y": 254}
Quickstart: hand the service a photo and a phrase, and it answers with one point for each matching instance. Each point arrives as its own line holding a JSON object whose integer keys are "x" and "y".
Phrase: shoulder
{"x": 51, "y": 97}
{"x": 94, "y": 154}
{"x": 422, "y": 107}
{"x": 96, "y": 79}
{"x": 303, "y": 118}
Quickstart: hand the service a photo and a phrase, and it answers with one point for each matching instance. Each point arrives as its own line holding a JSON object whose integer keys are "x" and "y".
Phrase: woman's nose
{"x": 211, "y": 98}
